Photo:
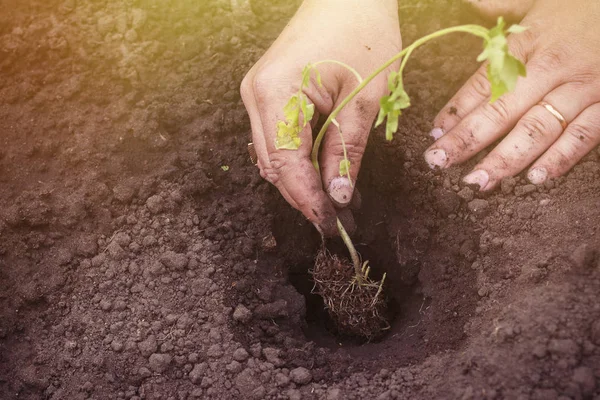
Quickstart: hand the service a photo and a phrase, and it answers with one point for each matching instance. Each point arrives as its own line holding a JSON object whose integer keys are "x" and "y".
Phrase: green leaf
{"x": 391, "y": 106}
{"x": 503, "y": 68}
{"x": 287, "y": 136}
{"x": 225, "y": 168}
{"x": 345, "y": 168}
{"x": 308, "y": 110}
{"x": 306, "y": 75}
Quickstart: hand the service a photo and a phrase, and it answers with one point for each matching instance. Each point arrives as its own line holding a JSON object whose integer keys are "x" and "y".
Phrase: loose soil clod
{"x": 357, "y": 309}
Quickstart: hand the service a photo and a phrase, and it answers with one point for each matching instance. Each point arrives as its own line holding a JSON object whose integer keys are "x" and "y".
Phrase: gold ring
{"x": 554, "y": 112}
{"x": 252, "y": 153}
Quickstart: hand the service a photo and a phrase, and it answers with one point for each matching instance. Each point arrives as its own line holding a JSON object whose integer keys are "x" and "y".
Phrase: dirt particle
{"x": 508, "y": 184}
{"x": 174, "y": 261}
{"x": 240, "y": 354}
{"x": 246, "y": 381}
{"x": 466, "y": 194}
{"x": 446, "y": 201}
{"x": 159, "y": 362}
{"x": 148, "y": 346}
{"x": 242, "y": 314}
{"x": 115, "y": 251}
{"x": 301, "y": 376}
{"x": 334, "y": 394}
{"x": 155, "y": 204}
{"x": 273, "y": 356}
{"x": 479, "y": 207}
{"x": 198, "y": 372}
{"x": 282, "y": 380}
{"x": 276, "y": 309}
{"x": 215, "y": 351}
{"x": 524, "y": 190}
{"x": 124, "y": 193}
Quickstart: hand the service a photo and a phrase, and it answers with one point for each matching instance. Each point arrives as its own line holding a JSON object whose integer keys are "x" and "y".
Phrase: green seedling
{"x": 503, "y": 70}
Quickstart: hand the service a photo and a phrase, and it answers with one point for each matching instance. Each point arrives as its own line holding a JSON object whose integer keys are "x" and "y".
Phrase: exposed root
{"x": 358, "y": 308}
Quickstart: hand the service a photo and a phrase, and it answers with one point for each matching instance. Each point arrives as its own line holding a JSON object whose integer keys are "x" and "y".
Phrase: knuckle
{"x": 497, "y": 112}
{"x": 535, "y": 126}
{"x": 353, "y": 150}
{"x": 561, "y": 157}
{"x": 463, "y": 140}
{"x": 246, "y": 85}
{"x": 549, "y": 60}
{"x": 480, "y": 85}
{"x": 581, "y": 133}
{"x": 521, "y": 44}
{"x": 262, "y": 83}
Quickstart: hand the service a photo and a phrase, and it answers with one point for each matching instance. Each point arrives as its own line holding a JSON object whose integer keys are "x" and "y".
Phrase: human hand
{"x": 551, "y": 119}
{"x": 360, "y": 34}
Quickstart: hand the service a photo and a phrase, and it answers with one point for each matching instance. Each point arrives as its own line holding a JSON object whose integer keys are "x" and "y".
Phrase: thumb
{"x": 345, "y": 141}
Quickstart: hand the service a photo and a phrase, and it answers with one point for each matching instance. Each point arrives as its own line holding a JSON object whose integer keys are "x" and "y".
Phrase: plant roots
{"x": 356, "y": 306}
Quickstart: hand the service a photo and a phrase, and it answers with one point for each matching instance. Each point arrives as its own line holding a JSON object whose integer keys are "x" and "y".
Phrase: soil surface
{"x": 143, "y": 257}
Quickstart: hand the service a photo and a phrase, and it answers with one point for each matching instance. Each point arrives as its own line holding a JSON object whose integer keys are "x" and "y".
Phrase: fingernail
{"x": 436, "y": 158}
{"x": 537, "y": 175}
{"x": 479, "y": 177}
{"x": 436, "y": 133}
{"x": 340, "y": 191}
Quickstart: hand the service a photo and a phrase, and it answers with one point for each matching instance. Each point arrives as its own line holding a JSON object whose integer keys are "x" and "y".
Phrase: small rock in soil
{"x": 159, "y": 362}
{"x": 479, "y": 207}
{"x": 246, "y": 381}
{"x": 155, "y": 204}
{"x": 273, "y": 356}
{"x": 334, "y": 394}
{"x": 524, "y": 190}
{"x": 240, "y": 354}
{"x": 301, "y": 376}
{"x": 148, "y": 346}
{"x": 507, "y": 185}
{"x": 124, "y": 193}
{"x": 242, "y": 314}
{"x": 174, "y": 261}
{"x": 446, "y": 201}
{"x": 466, "y": 194}
{"x": 197, "y": 373}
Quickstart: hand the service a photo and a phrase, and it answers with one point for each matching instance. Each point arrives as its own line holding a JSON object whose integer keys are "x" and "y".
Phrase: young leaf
{"x": 345, "y": 168}
{"x": 391, "y": 106}
{"x": 503, "y": 69}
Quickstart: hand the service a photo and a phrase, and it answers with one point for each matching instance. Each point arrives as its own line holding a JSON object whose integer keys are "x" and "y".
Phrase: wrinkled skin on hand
{"x": 562, "y": 55}
{"x": 361, "y": 34}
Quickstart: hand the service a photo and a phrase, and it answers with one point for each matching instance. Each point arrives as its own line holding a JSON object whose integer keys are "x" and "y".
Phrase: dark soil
{"x": 133, "y": 266}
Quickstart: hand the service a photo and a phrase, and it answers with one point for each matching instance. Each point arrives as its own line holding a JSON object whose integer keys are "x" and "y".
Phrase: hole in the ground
{"x": 429, "y": 283}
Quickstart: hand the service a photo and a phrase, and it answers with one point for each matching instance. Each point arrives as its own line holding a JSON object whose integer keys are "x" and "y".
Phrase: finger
{"x": 580, "y": 137}
{"x": 291, "y": 170}
{"x": 489, "y": 121}
{"x": 474, "y": 92}
{"x": 349, "y": 141}
{"x": 533, "y": 134}
{"x": 258, "y": 136}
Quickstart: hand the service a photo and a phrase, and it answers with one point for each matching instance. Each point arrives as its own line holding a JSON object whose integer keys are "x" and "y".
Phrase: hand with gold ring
{"x": 360, "y": 34}
{"x": 550, "y": 121}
